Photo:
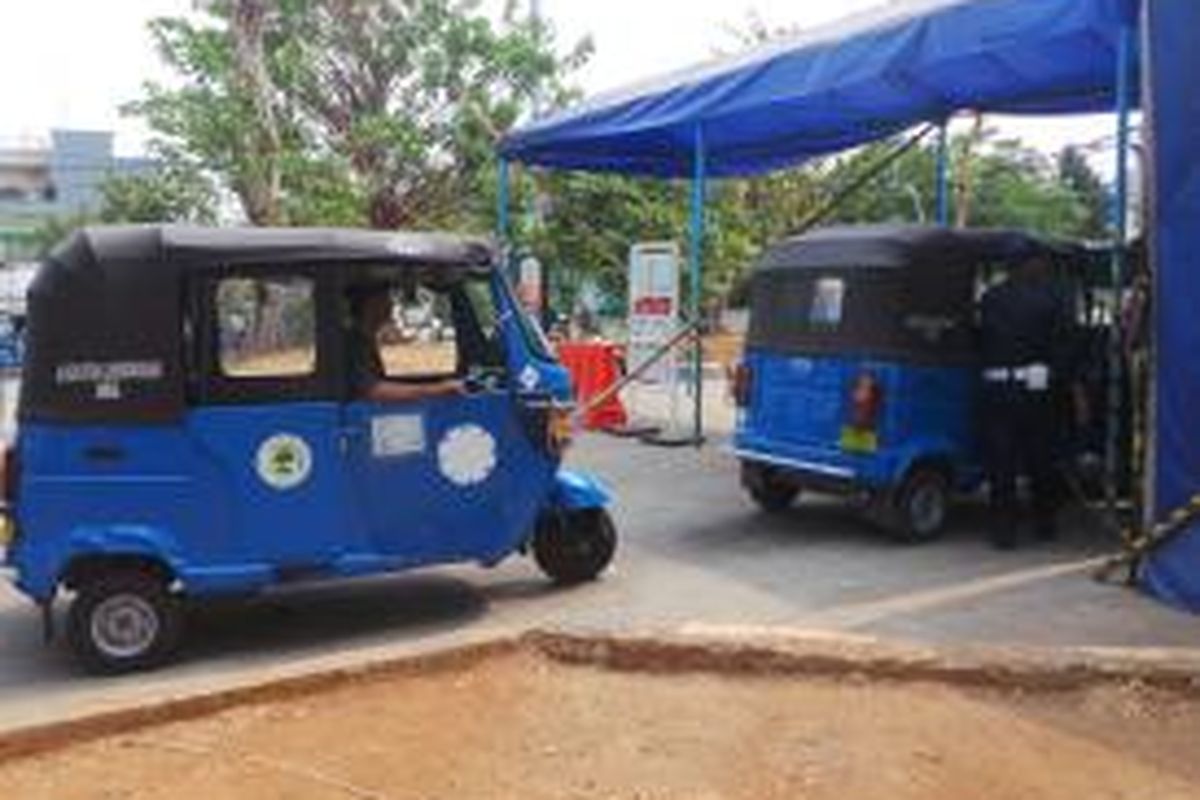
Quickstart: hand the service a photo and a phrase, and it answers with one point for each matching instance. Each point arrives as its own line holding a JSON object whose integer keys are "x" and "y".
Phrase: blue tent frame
{"x": 1173, "y": 112}
{"x": 896, "y": 67}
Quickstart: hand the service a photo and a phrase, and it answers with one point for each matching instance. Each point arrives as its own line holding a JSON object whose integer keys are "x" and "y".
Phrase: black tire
{"x": 123, "y": 621}
{"x": 774, "y": 499}
{"x": 574, "y": 546}
{"x": 769, "y": 488}
{"x": 920, "y": 506}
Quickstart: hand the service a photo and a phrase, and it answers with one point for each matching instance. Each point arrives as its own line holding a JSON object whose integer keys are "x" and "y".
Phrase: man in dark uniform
{"x": 1027, "y": 338}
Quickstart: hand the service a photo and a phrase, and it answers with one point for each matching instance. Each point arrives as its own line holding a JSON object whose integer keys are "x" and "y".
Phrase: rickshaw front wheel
{"x": 574, "y": 546}
{"x": 920, "y": 506}
{"x": 123, "y": 621}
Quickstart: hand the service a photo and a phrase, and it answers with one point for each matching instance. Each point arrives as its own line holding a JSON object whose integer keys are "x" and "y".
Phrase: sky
{"x": 73, "y": 63}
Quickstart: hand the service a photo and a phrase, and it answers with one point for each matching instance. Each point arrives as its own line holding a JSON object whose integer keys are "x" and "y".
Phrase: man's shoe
{"x": 1045, "y": 530}
{"x": 1003, "y": 542}
{"x": 1003, "y": 528}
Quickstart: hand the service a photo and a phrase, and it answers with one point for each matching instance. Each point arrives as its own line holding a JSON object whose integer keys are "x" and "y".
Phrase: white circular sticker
{"x": 284, "y": 461}
{"x": 467, "y": 455}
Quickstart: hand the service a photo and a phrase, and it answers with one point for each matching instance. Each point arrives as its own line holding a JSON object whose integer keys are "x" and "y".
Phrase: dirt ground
{"x": 521, "y": 726}
{"x": 724, "y": 348}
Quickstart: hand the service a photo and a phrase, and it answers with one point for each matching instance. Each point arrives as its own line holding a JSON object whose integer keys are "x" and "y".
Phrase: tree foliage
{"x": 371, "y": 112}
{"x": 1090, "y": 195}
{"x": 170, "y": 193}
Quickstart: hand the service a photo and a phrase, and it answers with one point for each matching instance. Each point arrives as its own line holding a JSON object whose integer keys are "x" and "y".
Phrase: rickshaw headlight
{"x": 560, "y": 427}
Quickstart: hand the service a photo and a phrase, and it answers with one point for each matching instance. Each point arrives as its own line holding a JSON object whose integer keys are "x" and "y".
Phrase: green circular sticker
{"x": 284, "y": 461}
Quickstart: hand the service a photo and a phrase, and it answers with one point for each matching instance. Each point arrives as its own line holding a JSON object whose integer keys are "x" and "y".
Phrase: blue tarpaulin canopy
{"x": 1173, "y": 112}
{"x": 844, "y": 85}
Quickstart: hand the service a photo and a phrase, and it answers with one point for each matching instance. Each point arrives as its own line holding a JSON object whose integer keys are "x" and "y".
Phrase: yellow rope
{"x": 1140, "y": 542}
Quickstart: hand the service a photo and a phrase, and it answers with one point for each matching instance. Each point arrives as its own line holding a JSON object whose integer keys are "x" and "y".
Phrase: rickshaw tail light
{"x": 742, "y": 378}
{"x": 11, "y": 470}
{"x": 866, "y": 402}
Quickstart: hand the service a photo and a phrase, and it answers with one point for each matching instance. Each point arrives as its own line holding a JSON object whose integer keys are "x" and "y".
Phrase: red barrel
{"x": 594, "y": 367}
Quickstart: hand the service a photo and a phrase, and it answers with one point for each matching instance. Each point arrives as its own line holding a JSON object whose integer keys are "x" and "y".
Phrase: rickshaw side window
{"x": 420, "y": 341}
{"x": 266, "y": 327}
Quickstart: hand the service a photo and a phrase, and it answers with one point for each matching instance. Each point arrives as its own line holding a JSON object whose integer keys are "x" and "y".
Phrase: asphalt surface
{"x": 695, "y": 556}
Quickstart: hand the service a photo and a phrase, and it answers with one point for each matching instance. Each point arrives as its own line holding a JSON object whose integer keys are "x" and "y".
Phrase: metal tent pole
{"x": 695, "y": 258}
{"x": 502, "y": 193}
{"x": 1120, "y": 214}
{"x": 943, "y": 174}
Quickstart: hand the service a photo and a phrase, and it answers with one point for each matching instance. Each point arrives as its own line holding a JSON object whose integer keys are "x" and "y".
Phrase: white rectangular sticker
{"x": 828, "y": 298}
{"x": 397, "y": 435}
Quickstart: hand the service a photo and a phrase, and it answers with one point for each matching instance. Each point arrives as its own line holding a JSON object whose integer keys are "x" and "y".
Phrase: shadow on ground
{"x": 328, "y": 614}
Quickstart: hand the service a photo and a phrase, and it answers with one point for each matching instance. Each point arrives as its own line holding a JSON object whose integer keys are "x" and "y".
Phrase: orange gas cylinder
{"x": 595, "y": 366}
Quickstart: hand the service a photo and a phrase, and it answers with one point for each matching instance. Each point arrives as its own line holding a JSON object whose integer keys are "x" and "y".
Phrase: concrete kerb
{"x": 755, "y": 653}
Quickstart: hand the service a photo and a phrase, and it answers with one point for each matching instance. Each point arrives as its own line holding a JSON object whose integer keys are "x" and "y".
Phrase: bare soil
{"x": 519, "y": 725}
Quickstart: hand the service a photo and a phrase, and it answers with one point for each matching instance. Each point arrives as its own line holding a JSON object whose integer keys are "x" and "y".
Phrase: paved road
{"x": 695, "y": 556}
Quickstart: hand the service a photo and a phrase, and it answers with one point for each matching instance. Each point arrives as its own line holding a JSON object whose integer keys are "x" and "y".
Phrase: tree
{"x": 170, "y": 193}
{"x": 51, "y": 231}
{"x": 167, "y": 193}
{"x": 1077, "y": 175}
{"x": 380, "y": 112}
{"x": 595, "y": 219}
{"x": 998, "y": 183}
{"x": 208, "y": 122}
{"x": 262, "y": 179}
{"x": 1016, "y": 187}
{"x": 903, "y": 192}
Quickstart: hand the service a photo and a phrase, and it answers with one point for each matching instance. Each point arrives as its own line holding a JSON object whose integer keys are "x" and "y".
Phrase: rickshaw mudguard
{"x": 578, "y": 491}
{"x": 940, "y": 452}
{"x": 42, "y": 569}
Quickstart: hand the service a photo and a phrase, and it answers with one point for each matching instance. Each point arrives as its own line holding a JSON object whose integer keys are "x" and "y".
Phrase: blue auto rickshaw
{"x": 860, "y": 374}
{"x": 191, "y": 424}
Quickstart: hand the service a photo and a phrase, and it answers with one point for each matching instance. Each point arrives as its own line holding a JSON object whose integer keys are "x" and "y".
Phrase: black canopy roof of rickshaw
{"x": 110, "y": 301}
{"x": 907, "y": 273}
{"x": 902, "y": 246}
{"x": 190, "y": 247}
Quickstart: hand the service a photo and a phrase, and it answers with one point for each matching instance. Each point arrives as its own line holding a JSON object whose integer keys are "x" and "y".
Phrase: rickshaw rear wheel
{"x": 775, "y": 498}
{"x": 123, "y": 620}
{"x": 769, "y": 488}
{"x": 920, "y": 506}
{"x": 574, "y": 546}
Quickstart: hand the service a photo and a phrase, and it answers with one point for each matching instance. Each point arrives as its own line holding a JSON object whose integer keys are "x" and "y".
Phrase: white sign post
{"x": 529, "y": 287}
{"x": 654, "y": 313}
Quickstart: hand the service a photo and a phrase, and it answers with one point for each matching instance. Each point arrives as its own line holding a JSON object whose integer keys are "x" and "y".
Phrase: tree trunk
{"x": 965, "y": 185}
{"x": 259, "y": 180}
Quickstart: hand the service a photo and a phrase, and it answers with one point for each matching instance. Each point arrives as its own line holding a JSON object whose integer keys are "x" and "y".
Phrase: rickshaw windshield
{"x": 535, "y": 338}
{"x": 886, "y": 312}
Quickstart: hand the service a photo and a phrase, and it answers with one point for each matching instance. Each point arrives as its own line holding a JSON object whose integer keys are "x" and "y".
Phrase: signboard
{"x": 529, "y": 286}
{"x": 653, "y": 305}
